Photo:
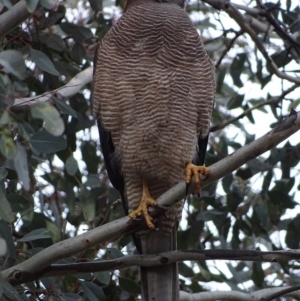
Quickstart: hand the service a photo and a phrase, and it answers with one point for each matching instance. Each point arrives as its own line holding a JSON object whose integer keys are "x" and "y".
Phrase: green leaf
{"x": 87, "y": 204}
{"x": 78, "y": 33}
{"x": 21, "y": 166}
{"x": 13, "y": 63}
{"x": 113, "y": 253}
{"x": 5, "y": 118}
{"x": 3, "y": 173}
{"x": 5, "y": 210}
{"x": 185, "y": 270}
{"x": 7, "y": 146}
{"x": 258, "y": 275}
{"x": 44, "y": 142}
{"x": 70, "y": 297}
{"x": 36, "y": 234}
{"x": 25, "y": 130}
{"x": 124, "y": 240}
{"x": 295, "y": 26}
{"x": 103, "y": 277}
{"x": 18, "y": 202}
{"x": 292, "y": 238}
{"x": 21, "y": 205}
{"x": 237, "y": 67}
{"x": 129, "y": 286}
{"x": 7, "y": 91}
{"x": 281, "y": 59}
{"x": 220, "y": 79}
{"x": 5, "y": 233}
{"x": 55, "y": 42}
{"x": 209, "y": 215}
{"x": 10, "y": 292}
{"x": 43, "y": 62}
{"x": 31, "y": 5}
{"x": 92, "y": 291}
{"x": 48, "y": 4}
{"x": 89, "y": 156}
{"x": 56, "y": 233}
{"x": 226, "y": 182}
{"x": 71, "y": 166}
{"x": 235, "y": 101}
{"x": 65, "y": 108}
{"x": 49, "y": 114}
{"x": 78, "y": 53}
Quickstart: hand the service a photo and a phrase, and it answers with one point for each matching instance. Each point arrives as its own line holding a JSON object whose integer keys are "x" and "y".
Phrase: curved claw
{"x": 142, "y": 209}
{"x": 192, "y": 170}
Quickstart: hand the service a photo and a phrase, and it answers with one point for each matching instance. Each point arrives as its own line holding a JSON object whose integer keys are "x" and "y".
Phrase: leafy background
{"x": 53, "y": 184}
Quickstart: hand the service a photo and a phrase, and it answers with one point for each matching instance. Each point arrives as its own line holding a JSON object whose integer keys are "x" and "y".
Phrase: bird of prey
{"x": 153, "y": 96}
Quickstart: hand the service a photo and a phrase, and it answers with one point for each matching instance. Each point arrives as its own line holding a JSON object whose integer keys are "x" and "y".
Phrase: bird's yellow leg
{"x": 192, "y": 170}
{"x": 146, "y": 201}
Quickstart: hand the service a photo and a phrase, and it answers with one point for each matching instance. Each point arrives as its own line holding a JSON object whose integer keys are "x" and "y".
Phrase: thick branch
{"x": 260, "y": 295}
{"x": 158, "y": 259}
{"x": 65, "y": 92}
{"x": 13, "y": 17}
{"x": 124, "y": 226}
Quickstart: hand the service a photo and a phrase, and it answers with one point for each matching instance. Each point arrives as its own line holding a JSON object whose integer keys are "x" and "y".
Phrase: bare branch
{"x": 229, "y": 46}
{"x": 13, "y": 17}
{"x": 65, "y": 92}
{"x": 271, "y": 101}
{"x": 159, "y": 259}
{"x": 125, "y": 225}
{"x": 283, "y": 292}
{"x": 280, "y": 31}
{"x": 243, "y": 22}
{"x": 261, "y": 295}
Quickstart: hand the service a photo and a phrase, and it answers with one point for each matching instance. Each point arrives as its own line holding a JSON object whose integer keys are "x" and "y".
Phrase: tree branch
{"x": 261, "y": 295}
{"x": 13, "y": 17}
{"x": 65, "y": 92}
{"x": 244, "y": 24}
{"x": 271, "y": 101}
{"x": 125, "y": 225}
{"x": 229, "y": 46}
{"x": 158, "y": 260}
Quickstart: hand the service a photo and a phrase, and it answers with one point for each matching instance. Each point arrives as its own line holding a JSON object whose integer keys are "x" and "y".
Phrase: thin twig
{"x": 242, "y": 21}
{"x": 229, "y": 46}
{"x": 270, "y": 101}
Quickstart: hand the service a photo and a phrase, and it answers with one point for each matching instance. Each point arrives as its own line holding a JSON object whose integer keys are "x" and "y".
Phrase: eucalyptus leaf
{"x": 42, "y": 61}
{"x": 65, "y": 108}
{"x": 49, "y": 114}
{"x": 32, "y": 5}
{"x": 44, "y": 142}
{"x": 5, "y": 210}
{"x": 103, "y": 277}
{"x": 92, "y": 291}
{"x": 13, "y": 63}
{"x": 129, "y": 286}
{"x": 36, "y": 234}
{"x": 71, "y": 166}
{"x": 5, "y": 233}
{"x": 7, "y": 146}
{"x": 21, "y": 166}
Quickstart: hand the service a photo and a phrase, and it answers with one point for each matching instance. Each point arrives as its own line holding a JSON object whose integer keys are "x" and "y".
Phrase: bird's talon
{"x": 192, "y": 170}
{"x": 142, "y": 209}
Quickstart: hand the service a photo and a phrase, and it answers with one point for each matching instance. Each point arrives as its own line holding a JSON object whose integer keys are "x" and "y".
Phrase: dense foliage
{"x": 53, "y": 184}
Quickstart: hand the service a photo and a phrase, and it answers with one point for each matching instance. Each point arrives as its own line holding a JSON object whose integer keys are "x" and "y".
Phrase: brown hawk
{"x": 153, "y": 95}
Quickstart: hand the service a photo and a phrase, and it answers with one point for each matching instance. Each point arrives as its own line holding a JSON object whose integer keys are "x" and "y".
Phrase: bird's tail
{"x": 159, "y": 283}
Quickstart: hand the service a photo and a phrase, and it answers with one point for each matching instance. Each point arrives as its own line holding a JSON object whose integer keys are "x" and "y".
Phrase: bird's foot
{"x": 192, "y": 170}
{"x": 142, "y": 209}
